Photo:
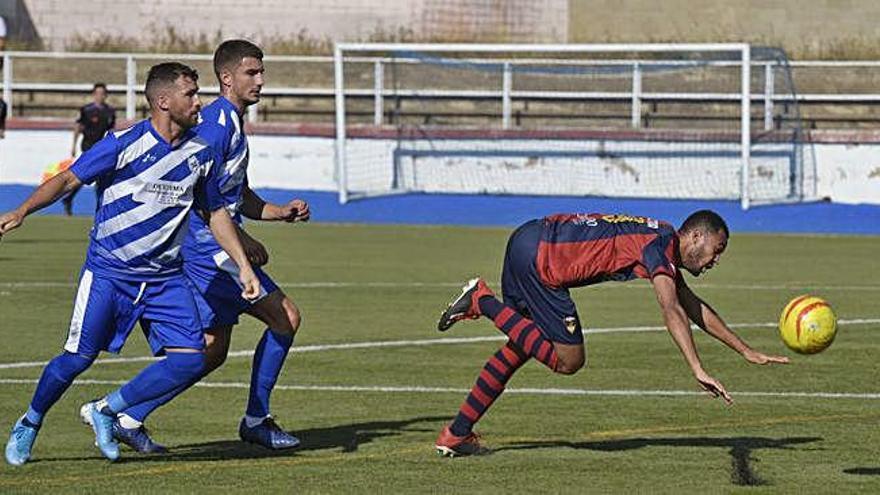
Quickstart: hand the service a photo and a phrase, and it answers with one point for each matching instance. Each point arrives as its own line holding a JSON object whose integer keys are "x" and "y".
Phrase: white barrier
{"x": 846, "y": 173}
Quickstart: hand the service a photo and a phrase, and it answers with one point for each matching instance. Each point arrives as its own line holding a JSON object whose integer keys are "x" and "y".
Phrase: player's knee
{"x": 287, "y": 318}
{"x": 294, "y": 317}
{"x": 186, "y": 365}
{"x": 570, "y": 366}
{"x": 214, "y": 360}
{"x": 216, "y": 347}
{"x": 72, "y": 364}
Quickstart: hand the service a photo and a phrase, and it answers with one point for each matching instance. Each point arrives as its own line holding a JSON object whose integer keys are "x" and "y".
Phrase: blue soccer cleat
{"x": 138, "y": 439}
{"x": 103, "y": 426}
{"x": 268, "y": 434}
{"x": 21, "y": 441}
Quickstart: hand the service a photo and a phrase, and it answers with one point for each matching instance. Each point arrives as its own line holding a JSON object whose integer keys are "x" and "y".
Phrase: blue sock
{"x": 56, "y": 378}
{"x": 268, "y": 360}
{"x": 176, "y": 370}
{"x": 144, "y": 409}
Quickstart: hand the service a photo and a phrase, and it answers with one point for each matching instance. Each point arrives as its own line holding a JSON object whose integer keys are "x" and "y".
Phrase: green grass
{"x": 391, "y": 284}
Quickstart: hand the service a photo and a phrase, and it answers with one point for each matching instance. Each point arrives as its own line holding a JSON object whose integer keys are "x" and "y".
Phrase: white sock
{"x": 128, "y": 422}
{"x": 252, "y": 421}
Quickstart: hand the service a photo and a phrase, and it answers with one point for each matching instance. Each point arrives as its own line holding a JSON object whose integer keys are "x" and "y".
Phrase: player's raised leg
{"x": 129, "y": 426}
{"x": 174, "y": 328}
{"x": 179, "y": 366}
{"x": 478, "y": 300}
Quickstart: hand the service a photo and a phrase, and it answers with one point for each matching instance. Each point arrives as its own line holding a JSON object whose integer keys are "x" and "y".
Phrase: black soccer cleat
{"x": 466, "y": 305}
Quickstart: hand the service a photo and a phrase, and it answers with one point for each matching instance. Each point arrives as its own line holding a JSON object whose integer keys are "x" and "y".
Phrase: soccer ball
{"x": 808, "y": 325}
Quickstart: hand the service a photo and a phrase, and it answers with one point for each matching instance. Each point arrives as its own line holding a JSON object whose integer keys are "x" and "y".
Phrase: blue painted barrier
{"x": 491, "y": 210}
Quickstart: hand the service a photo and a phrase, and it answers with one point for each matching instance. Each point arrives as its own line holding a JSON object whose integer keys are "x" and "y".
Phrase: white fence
{"x": 846, "y": 172}
{"x": 506, "y": 92}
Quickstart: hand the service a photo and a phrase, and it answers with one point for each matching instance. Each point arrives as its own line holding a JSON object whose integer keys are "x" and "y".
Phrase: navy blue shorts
{"x": 217, "y": 290}
{"x": 551, "y": 309}
{"x": 107, "y": 309}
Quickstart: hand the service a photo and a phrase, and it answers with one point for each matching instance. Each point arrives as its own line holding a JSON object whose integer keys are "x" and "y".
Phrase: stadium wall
{"x": 799, "y": 26}
{"x": 57, "y": 22}
{"x": 848, "y": 166}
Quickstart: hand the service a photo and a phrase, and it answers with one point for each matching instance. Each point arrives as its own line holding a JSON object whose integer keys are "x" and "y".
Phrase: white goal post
{"x": 580, "y": 119}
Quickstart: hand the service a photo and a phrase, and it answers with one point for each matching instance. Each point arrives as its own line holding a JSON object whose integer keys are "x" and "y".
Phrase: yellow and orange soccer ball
{"x": 808, "y": 324}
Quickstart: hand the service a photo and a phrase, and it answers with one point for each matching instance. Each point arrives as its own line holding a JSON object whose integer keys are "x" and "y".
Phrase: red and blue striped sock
{"x": 521, "y": 331}
{"x": 489, "y": 386}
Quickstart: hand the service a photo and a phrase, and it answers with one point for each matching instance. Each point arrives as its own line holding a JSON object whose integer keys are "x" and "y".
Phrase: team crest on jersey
{"x": 193, "y": 162}
{"x": 570, "y": 324}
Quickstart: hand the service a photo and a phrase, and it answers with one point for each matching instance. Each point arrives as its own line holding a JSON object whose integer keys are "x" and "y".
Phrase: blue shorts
{"x": 217, "y": 290}
{"x": 107, "y": 309}
{"x": 551, "y": 309}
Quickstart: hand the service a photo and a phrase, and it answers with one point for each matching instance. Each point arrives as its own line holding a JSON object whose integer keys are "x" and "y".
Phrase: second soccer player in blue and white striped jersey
{"x": 238, "y": 65}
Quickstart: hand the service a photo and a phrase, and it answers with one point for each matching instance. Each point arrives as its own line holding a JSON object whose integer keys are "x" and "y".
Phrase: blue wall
{"x": 483, "y": 210}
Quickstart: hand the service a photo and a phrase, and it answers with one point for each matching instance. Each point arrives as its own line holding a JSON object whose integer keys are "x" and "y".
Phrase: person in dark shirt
{"x": 2, "y": 118}
{"x": 546, "y": 257}
{"x": 95, "y": 120}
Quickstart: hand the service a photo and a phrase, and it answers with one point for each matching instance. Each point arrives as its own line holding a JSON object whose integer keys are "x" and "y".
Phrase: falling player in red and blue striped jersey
{"x": 547, "y": 257}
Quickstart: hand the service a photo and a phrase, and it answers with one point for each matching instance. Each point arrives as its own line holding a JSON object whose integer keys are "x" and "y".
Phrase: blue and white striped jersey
{"x": 222, "y": 127}
{"x": 146, "y": 188}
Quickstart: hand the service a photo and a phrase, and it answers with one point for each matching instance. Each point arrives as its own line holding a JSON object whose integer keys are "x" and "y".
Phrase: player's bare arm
{"x": 45, "y": 195}
{"x": 706, "y": 318}
{"x": 255, "y": 208}
{"x": 676, "y": 321}
{"x": 223, "y": 229}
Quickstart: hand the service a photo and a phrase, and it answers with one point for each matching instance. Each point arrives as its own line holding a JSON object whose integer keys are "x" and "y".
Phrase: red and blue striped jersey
{"x": 584, "y": 249}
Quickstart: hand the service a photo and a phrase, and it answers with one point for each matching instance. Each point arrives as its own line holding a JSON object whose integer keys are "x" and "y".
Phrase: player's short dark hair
{"x": 165, "y": 74}
{"x": 706, "y": 220}
{"x": 230, "y": 53}
{"x": 99, "y": 85}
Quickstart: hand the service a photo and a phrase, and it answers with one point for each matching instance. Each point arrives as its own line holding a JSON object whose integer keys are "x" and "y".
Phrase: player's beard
{"x": 691, "y": 261}
{"x": 187, "y": 120}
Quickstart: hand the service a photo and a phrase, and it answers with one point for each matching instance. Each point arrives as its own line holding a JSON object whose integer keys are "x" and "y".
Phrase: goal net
{"x": 696, "y": 121}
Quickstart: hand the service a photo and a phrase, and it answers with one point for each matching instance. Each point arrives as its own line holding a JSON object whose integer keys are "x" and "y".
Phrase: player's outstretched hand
{"x": 296, "y": 211}
{"x": 250, "y": 284}
{"x": 713, "y": 386}
{"x": 756, "y": 357}
{"x": 10, "y": 221}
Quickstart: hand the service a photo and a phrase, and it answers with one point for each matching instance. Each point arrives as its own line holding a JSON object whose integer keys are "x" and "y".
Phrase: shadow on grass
{"x": 741, "y": 449}
{"x": 344, "y": 438}
{"x": 865, "y": 471}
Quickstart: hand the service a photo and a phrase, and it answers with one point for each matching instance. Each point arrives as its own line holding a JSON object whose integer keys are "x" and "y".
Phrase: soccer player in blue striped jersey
{"x": 239, "y": 68}
{"x": 148, "y": 177}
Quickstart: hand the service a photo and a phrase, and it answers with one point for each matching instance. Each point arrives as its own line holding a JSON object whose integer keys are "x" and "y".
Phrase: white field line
{"x": 425, "y": 342}
{"x": 409, "y": 285}
{"x": 453, "y": 390}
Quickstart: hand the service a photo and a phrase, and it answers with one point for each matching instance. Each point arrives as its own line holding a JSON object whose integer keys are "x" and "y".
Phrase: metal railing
{"x": 506, "y": 93}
